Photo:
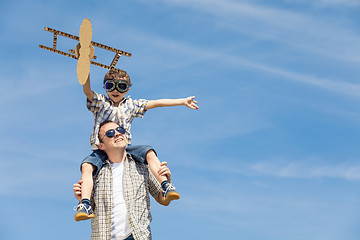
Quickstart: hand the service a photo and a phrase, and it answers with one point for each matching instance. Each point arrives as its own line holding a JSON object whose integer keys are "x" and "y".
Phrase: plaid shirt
{"x": 102, "y": 108}
{"x": 138, "y": 183}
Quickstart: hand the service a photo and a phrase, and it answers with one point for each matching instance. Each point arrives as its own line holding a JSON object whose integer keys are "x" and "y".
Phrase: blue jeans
{"x": 97, "y": 157}
{"x": 130, "y": 237}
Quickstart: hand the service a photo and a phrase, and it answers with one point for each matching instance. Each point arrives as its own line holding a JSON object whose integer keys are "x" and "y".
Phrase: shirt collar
{"x": 122, "y": 101}
{"x": 128, "y": 158}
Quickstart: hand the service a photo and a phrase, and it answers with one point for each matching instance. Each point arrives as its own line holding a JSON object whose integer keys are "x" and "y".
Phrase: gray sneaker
{"x": 170, "y": 193}
{"x": 83, "y": 212}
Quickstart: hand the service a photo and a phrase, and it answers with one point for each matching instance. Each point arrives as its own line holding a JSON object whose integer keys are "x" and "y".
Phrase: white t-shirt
{"x": 120, "y": 228}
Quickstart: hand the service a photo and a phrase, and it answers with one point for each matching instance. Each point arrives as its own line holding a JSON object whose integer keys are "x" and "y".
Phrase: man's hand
{"x": 165, "y": 171}
{"x": 77, "y": 190}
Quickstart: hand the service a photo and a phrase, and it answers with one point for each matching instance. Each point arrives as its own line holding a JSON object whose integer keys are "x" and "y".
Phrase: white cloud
{"x": 290, "y": 27}
{"x": 219, "y": 57}
{"x": 310, "y": 167}
{"x": 347, "y": 3}
{"x": 304, "y": 170}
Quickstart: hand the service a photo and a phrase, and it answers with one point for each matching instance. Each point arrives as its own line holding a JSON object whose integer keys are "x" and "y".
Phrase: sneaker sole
{"x": 83, "y": 216}
{"x": 172, "y": 196}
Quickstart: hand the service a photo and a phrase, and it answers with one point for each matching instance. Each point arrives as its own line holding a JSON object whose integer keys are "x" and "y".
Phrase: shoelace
{"x": 170, "y": 187}
{"x": 81, "y": 206}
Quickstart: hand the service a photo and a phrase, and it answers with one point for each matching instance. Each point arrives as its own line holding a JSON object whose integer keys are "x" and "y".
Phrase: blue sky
{"x": 272, "y": 153}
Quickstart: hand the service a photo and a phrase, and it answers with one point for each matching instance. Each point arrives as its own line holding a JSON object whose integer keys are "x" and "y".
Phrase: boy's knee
{"x": 151, "y": 153}
{"x": 87, "y": 167}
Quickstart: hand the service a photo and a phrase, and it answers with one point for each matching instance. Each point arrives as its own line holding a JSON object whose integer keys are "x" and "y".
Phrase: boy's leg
{"x": 84, "y": 210}
{"x": 146, "y": 154}
{"x": 87, "y": 170}
{"x": 154, "y": 164}
{"x": 90, "y": 166}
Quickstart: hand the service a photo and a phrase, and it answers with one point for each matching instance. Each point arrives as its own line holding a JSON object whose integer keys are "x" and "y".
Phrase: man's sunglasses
{"x": 120, "y": 85}
{"x": 111, "y": 133}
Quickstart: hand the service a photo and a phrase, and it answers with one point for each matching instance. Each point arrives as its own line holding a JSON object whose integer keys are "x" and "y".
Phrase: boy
{"x": 121, "y": 110}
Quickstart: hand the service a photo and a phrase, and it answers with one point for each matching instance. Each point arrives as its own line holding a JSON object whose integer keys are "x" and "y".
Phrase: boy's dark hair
{"x": 117, "y": 76}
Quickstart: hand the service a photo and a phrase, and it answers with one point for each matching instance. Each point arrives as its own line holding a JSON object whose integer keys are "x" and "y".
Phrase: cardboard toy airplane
{"x": 84, "y": 51}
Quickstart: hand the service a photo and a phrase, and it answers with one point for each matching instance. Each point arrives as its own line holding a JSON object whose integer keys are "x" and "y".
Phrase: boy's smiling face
{"x": 116, "y": 96}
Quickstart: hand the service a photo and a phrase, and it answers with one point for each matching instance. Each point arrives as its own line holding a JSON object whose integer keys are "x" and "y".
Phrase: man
{"x": 121, "y": 190}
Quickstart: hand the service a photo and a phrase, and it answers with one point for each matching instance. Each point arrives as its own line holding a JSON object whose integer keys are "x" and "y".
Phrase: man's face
{"x": 117, "y": 141}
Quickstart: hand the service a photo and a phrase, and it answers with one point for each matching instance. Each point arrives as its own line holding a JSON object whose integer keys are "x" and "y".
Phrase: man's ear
{"x": 101, "y": 146}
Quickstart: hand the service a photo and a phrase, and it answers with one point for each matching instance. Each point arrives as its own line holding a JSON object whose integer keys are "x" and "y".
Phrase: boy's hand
{"x": 188, "y": 102}
{"x": 191, "y": 103}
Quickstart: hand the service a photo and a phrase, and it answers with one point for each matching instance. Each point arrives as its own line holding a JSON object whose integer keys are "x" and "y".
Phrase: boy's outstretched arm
{"x": 87, "y": 89}
{"x": 188, "y": 102}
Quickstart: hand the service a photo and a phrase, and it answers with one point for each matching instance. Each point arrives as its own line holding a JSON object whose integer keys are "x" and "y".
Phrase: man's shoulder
{"x": 130, "y": 159}
{"x": 138, "y": 165}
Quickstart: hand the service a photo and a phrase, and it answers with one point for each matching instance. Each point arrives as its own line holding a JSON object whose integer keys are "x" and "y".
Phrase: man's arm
{"x": 87, "y": 89}
{"x": 163, "y": 171}
{"x": 188, "y": 102}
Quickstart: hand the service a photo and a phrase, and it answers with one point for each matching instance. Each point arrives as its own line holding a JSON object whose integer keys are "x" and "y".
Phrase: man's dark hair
{"x": 102, "y": 124}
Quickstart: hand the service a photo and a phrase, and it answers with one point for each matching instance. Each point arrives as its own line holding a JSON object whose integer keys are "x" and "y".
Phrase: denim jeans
{"x": 97, "y": 157}
{"x": 129, "y": 237}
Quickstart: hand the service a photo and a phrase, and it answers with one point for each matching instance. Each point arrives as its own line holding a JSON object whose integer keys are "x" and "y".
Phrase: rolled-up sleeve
{"x": 154, "y": 185}
{"x": 95, "y": 105}
{"x": 138, "y": 107}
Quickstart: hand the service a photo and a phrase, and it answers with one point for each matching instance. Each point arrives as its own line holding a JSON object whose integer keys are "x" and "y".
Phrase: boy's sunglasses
{"x": 120, "y": 85}
{"x": 111, "y": 133}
